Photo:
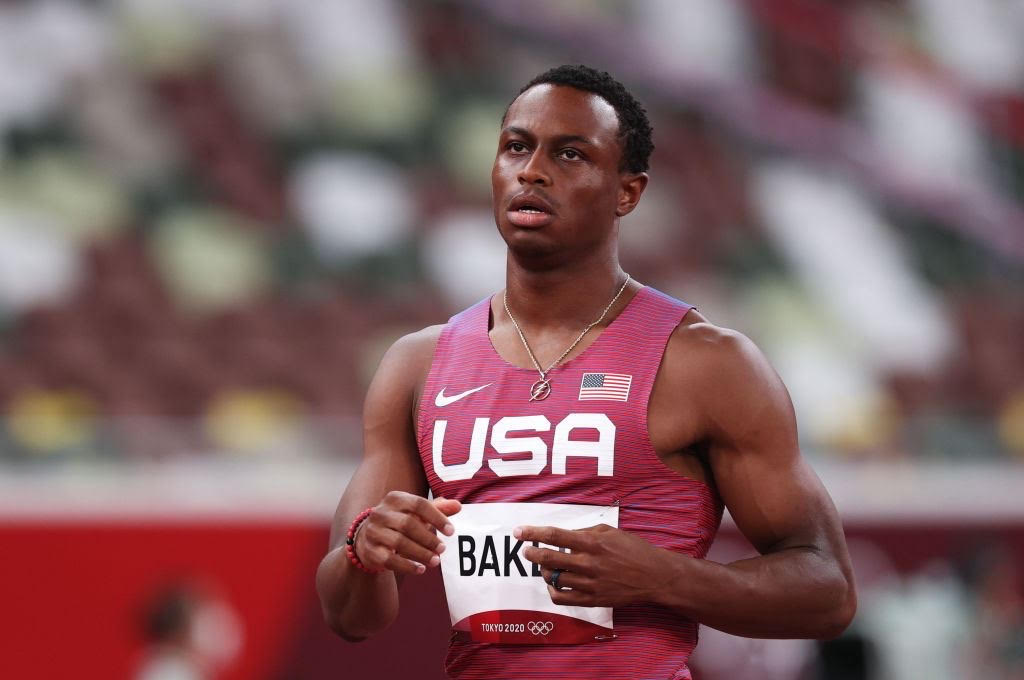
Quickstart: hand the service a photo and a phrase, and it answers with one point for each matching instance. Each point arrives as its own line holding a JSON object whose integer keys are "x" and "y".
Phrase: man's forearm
{"x": 792, "y": 593}
{"x": 355, "y": 605}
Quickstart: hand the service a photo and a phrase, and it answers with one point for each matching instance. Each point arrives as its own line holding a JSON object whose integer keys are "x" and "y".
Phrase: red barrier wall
{"x": 73, "y": 594}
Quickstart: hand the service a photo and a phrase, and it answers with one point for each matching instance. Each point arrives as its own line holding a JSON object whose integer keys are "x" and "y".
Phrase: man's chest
{"x": 526, "y": 444}
{"x": 492, "y": 431}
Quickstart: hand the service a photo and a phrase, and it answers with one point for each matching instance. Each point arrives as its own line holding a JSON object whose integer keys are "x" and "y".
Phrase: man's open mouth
{"x": 530, "y": 210}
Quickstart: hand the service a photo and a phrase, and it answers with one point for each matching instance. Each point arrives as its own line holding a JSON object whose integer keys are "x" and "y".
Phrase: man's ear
{"x": 630, "y": 190}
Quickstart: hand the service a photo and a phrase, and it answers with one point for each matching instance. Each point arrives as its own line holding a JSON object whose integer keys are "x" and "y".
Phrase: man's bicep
{"x": 773, "y": 495}
{"x": 390, "y": 455}
{"x": 776, "y": 503}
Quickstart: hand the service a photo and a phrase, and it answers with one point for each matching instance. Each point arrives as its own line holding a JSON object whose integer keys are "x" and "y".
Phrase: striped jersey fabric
{"x": 469, "y": 382}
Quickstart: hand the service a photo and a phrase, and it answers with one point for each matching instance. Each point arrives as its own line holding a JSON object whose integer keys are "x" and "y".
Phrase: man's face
{"x": 556, "y": 180}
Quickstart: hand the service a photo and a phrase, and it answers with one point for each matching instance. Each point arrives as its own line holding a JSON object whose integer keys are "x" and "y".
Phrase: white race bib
{"x": 496, "y": 595}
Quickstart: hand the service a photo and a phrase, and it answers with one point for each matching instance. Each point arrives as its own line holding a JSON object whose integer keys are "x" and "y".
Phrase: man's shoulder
{"x": 702, "y": 351}
{"x": 404, "y": 368}
{"x": 696, "y": 334}
{"x": 417, "y": 347}
{"x": 726, "y": 379}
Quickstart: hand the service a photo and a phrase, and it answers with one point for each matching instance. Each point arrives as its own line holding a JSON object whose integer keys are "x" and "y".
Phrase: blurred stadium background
{"x": 214, "y": 217}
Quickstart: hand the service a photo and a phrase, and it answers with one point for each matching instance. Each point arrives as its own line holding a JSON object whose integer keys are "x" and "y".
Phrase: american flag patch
{"x": 605, "y": 386}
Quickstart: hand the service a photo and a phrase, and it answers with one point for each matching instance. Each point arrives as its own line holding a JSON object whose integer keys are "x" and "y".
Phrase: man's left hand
{"x": 607, "y": 567}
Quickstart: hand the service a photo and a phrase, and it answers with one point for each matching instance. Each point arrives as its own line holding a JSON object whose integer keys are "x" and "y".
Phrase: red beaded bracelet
{"x": 350, "y": 541}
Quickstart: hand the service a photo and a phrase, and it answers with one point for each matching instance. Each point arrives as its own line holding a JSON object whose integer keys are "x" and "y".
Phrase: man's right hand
{"x": 400, "y": 533}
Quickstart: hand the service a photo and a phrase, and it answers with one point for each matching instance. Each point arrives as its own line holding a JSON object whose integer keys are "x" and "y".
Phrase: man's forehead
{"x": 584, "y": 112}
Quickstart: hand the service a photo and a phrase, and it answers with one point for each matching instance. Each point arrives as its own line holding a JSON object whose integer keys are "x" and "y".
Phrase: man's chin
{"x": 528, "y": 244}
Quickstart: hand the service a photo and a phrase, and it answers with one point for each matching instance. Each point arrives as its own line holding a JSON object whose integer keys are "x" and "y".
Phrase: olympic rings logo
{"x": 540, "y": 627}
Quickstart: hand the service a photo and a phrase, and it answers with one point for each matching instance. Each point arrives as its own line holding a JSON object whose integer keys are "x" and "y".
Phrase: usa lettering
{"x": 483, "y": 558}
{"x": 563, "y": 446}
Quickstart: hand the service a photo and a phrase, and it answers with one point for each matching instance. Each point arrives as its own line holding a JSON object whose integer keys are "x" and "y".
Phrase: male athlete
{"x": 653, "y": 414}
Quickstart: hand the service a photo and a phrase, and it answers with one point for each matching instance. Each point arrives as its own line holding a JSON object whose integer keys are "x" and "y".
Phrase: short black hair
{"x": 634, "y": 128}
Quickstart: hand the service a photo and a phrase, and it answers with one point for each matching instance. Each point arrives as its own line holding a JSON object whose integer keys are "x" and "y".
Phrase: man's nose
{"x": 534, "y": 171}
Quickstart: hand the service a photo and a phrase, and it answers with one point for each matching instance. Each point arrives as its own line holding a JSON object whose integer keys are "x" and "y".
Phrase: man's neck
{"x": 567, "y": 297}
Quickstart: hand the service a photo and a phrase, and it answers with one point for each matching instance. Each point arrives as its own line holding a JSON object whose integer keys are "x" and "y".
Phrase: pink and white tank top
{"x": 596, "y": 451}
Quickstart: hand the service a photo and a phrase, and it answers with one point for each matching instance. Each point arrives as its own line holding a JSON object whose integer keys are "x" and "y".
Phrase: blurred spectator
{"x": 994, "y": 580}
{"x": 187, "y": 190}
{"x": 192, "y": 634}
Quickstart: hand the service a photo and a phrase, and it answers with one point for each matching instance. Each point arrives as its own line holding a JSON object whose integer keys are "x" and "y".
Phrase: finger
{"x": 378, "y": 542}
{"x": 430, "y": 514}
{"x": 403, "y": 501}
{"x": 555, "y": 559}
{"x": 449, "y": 506}
{"x": 414, "y": 528}
{"x": 379, "y": 558}
{"x": 569, "y": 579}
{"x": 412, "y": 550}
{"x": 572, "y": 598}
{"x": 563, "y": 538}
{"x": 401, "y": 565}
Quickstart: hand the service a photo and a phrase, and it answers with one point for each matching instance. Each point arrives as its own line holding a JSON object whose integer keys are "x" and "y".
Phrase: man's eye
{"x": 516, "y": 147}
{"x": 571, "y": 154}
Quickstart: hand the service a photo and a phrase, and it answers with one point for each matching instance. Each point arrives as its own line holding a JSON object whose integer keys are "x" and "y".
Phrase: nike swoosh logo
{"x": 442, "y": 400}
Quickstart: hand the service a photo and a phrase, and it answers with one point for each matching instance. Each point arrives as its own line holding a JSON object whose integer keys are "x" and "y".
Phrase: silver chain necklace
{"x": 541, "y": 389}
